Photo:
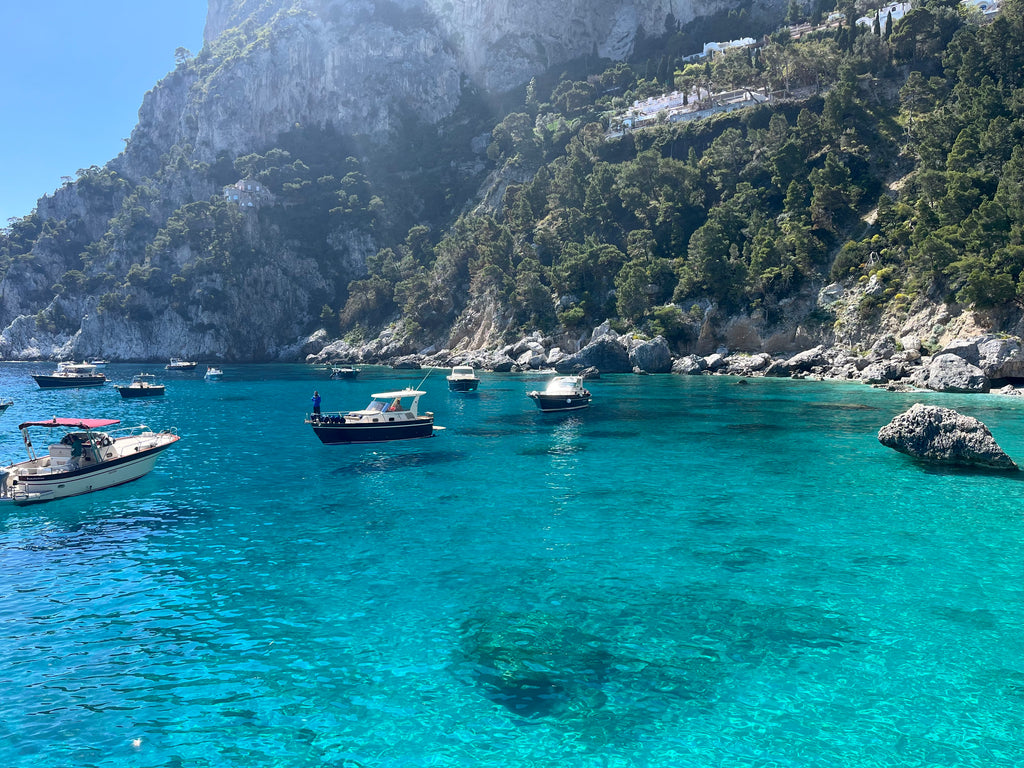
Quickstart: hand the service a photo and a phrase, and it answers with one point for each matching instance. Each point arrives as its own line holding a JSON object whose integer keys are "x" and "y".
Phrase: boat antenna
{"x": 430, "y": 370}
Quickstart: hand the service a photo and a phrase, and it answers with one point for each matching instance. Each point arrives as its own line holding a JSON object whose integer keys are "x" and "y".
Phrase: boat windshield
{"x": 563, "y": 383}
{"x": 376, "y": 406}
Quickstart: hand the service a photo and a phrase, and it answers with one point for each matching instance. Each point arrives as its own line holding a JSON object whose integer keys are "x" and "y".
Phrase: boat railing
{"x": 139, "y": 430}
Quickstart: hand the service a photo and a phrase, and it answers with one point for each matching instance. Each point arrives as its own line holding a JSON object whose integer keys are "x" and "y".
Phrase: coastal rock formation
{"x": 276, "y": 84}
{"x": 651, "y": 356}
{"x": 364, "y": 66}
{"x": 943, "y": 436}
{"x": 690, "y": 365}
{"x": 951, "y": 373}
{"x": 607, "y": 354}
{"x": 1001, "y": 358}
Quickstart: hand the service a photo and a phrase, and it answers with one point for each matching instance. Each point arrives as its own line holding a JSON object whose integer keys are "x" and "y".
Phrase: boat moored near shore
{"x": 563, "y": 393}
{"x": 386, "y": 418}
{"x": 463, "y": 379}
{"x": 143, "y": 385}
{"x": 71, "y": 375}
{"x": 344, "y": 372}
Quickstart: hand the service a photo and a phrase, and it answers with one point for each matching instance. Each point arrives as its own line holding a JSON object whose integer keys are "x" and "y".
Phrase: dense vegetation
{"x": 887, "y": 152}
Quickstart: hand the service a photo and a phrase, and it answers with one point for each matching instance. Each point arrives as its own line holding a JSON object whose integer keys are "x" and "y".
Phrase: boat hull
{"x": 463, "y": 385}
{"x": 129, "y": 392}
{"x": 47, "y": 381}
{"x": 46, "y": 487}
{"x": 348, "y": 434}
{"x": 555, "y": 403}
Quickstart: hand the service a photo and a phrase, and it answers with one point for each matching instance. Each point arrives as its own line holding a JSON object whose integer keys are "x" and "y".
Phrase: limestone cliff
{"x": 118, "y": 264}
{"x": 362, "y": 65}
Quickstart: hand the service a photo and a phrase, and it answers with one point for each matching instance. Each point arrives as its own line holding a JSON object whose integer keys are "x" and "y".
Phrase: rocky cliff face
{"x": 360, "y": 65}
{"x": 105, "y": 277}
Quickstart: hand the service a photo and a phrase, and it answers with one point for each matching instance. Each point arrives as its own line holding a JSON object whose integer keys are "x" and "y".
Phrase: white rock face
{"x": 360, "y": 65}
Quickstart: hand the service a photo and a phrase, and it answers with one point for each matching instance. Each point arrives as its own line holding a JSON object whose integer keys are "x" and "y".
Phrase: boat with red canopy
{"x": 87, "y": 457}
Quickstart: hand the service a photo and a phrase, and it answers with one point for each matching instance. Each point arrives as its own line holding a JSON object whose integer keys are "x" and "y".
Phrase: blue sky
{"x": 72, "y": 78}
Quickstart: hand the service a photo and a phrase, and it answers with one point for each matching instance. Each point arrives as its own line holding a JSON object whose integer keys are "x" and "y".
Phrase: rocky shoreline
{"x": 988, "y": 363}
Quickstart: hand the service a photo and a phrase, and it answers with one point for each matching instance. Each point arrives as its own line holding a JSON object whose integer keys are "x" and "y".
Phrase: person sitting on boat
{"x": 396, "y": 405}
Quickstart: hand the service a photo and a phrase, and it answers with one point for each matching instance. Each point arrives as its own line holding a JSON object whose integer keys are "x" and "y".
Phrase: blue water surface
{"x": 692, "y": 572}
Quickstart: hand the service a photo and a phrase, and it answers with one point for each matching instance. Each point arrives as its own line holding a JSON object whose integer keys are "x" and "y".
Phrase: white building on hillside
{"x": 710, "y": 49}
{"x": 898, "y": 11}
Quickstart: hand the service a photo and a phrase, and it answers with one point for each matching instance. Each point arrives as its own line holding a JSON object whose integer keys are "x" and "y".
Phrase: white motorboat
{"x": 463, "y": 379}
{"x": 563, "y": 393}
{"x": 213, "y": 373}
{"x": 386, "y": 418}
{"x": 86, "y": 458}
{"x": 177, "y": 364}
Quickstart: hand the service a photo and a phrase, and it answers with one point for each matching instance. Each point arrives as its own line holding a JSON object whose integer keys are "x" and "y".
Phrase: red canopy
{"x": 73, "y": 423}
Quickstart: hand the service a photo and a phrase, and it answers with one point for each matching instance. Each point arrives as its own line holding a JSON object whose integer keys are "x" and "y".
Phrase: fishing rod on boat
{"x": 429, "y": 371}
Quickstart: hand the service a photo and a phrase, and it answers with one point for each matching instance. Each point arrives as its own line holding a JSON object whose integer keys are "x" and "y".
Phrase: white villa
{"x": 898, "y": 11}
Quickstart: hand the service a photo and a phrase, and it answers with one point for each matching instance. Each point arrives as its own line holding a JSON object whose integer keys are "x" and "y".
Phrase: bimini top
{"x": 73, "y": 423}
{"x": 400, "y": 393}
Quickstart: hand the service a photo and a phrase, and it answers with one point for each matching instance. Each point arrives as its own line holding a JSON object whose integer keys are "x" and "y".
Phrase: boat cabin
{"x": 385, "y": 407}
{"x": 389, "y": 406}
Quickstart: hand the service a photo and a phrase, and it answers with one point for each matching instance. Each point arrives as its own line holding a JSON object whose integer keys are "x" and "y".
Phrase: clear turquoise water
{"x": 692, "y": 572}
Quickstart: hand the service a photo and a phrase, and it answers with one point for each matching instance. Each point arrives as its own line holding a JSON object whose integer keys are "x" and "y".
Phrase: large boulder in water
{"x": 652, "y": 356}
{"x": 943, "y": 436}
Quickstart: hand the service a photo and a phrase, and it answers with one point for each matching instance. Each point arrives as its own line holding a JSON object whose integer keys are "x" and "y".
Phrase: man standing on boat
{"x": 316, "y": 402}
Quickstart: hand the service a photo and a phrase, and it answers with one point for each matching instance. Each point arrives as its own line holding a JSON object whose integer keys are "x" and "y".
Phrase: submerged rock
{"x": 535, "y": 664}
{"x": 943, "y": 436}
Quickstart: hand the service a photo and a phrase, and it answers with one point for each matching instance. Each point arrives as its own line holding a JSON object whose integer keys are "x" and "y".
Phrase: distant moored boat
{"x": 71, "y": 375}
{"x": 563, "y": 393}
{"x": 463, "y": 379}
{"x": 143, "y": 385}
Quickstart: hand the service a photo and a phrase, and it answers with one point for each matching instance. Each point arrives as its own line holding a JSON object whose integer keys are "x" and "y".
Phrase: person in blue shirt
{"x": 316, "y": 402}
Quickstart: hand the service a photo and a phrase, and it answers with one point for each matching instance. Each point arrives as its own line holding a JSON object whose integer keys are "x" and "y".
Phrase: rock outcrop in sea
{"x": 943, "y": 436}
